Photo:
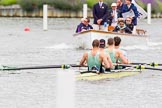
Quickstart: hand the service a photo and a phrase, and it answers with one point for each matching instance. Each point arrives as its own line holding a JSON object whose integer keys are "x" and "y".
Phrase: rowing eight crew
{"x": 104, "y": 59}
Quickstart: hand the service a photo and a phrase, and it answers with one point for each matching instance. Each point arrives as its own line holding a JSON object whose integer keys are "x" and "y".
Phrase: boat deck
{"x": 140, "y": 32}
{"x": 113, "y": 75}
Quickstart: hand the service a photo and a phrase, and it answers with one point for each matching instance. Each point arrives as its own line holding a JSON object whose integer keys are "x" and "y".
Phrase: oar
{"x": 153, "y": 64}
{"x": 140, "y": 67}
{"x": 38, "y": 67}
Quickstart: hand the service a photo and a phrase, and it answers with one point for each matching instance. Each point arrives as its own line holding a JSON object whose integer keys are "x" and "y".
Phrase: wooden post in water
{"x": 84, "y": 10}
{"x": 45, "y": 17}
{"x": 149, "y": 13}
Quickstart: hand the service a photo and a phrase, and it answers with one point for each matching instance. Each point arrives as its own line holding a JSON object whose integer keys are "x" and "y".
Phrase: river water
{"x": 38, "y": 88}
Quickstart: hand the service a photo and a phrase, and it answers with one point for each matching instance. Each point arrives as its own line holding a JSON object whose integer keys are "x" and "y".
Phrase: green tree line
{"x": 73, "y": 5}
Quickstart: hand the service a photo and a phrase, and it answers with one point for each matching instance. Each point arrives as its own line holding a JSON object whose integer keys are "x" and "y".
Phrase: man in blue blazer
{"x": 129, "y": 6}
{"x": 120, "y": 5}
{"x": 100, "y": 14}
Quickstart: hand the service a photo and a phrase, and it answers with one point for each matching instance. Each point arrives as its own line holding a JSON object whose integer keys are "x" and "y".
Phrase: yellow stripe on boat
{"x": 94, "y": 76}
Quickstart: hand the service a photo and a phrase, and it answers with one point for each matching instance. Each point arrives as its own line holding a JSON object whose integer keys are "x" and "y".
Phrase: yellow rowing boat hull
{"x": 94, "y": 76}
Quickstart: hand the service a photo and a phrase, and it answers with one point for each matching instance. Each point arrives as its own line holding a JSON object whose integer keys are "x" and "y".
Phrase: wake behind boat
{"x": 85, "y": 38}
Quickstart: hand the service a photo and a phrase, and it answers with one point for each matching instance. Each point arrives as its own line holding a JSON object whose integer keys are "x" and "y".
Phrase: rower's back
{"x": 94, "y": 61}
{"x": 117, "y": 41}
{"x": 110, "y": 50}
{"x": 111, "y": 53}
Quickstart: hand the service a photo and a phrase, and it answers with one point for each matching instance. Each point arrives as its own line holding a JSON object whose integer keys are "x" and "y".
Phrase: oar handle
{"x": 140, "y": 67}
{"x": 153, "y": 64}
{"x": 65, "y": 66}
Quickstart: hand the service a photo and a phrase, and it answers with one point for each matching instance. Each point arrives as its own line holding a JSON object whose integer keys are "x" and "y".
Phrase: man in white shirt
{"x": 113, "y": 15}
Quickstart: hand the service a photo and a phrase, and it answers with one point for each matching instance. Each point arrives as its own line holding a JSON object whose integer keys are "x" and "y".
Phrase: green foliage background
{"x": 73, "y": 5}
{"x": 7, "y": 2}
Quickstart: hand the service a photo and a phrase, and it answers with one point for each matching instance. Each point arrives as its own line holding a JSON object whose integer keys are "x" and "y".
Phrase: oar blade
{"x": 8, "y": 68}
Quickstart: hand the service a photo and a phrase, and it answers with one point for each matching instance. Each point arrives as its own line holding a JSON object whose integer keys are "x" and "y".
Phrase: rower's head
{"x": 102, "y": 43}
{"x": 110, "y": 41}
{"x": 95, "y": 43}
{"x": 117, "y": 40}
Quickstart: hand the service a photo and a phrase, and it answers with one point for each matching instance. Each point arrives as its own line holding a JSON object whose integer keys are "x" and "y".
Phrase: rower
{"x": 117, "y": 41}
{"x": 115, "y": 54}
{"x": 94, "y": 58}
{"x": 102, "y": 48}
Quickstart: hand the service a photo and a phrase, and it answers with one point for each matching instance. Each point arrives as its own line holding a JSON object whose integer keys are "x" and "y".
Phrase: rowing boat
{"x": 84, "y": 39}
{"x": 108, "y": 75}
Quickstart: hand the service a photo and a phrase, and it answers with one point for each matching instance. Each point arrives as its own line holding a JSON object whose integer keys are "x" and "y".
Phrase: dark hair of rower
{"x": 102, "y": 43}
{"x": 96, "y": 43}
{"x": 117, "y": 40}
{"x": 110, "y": 41}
